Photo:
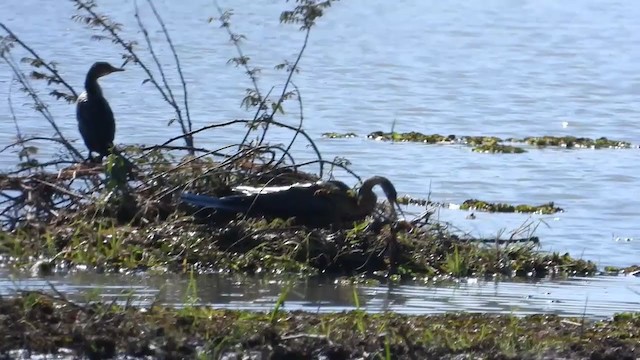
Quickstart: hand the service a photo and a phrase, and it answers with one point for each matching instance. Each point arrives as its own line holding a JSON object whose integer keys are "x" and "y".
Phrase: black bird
{"x": 95, "y": 118}
{"x": 320, "y": 203}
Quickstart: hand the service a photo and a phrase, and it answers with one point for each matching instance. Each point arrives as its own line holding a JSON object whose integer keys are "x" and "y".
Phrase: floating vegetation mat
{"x": 479, "y": 205}
{"x": 575, "y": 142}
{"x": 492, "y": 144}
{"x": 334, "y": 135}
{"x": 473, "y": 204}
{"x": 38, "y": 324}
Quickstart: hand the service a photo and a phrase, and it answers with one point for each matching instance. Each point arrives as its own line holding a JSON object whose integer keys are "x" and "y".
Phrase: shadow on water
{"x": 598, "y": 297}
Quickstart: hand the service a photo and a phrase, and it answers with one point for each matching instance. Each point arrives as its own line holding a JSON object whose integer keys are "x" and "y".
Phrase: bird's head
{"x": 102, "y": 68}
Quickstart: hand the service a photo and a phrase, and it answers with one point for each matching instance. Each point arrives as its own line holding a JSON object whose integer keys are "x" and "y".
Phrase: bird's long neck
{"x": 91, "y": 84}
{"x": 367, "y": 198}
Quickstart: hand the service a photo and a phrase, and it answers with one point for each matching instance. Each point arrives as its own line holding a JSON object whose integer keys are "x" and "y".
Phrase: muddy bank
{"x": 48, "y": 325}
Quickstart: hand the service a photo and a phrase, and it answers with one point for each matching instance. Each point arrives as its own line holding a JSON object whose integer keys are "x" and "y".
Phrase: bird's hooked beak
{"x": 110, "y": 70}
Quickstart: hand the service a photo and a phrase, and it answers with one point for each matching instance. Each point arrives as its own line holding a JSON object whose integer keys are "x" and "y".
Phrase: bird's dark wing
{"x": 95, "y": 122}
{"x": 299, "y": 202}
{"x": 228, "y": 204}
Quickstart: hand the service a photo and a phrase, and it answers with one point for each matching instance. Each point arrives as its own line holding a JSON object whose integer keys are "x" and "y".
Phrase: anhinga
{"x": 95, "y": 118}
{"x": 320, "y": 203}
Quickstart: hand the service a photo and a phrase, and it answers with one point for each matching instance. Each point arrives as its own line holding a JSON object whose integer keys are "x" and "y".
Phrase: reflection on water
{"x": 598, "y": 297}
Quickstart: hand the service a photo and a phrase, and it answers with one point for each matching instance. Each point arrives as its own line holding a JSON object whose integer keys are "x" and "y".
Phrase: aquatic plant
{"x": 335, "y": 135}
{"x": 479, "y": 205}
{"x": 576, "y": 142}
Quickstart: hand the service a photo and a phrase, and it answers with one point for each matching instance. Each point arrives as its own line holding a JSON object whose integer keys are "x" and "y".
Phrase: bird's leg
{"x": 89, "y": 158}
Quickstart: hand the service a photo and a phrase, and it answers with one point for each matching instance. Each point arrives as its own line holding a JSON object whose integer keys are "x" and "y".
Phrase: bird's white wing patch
{"x": 82, "y": 97}
{"x": 252, "y": 190}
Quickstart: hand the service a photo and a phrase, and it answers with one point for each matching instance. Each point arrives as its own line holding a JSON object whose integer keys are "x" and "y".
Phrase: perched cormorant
{"x": 318, "y": 203}
{"x": 95, "y": 118}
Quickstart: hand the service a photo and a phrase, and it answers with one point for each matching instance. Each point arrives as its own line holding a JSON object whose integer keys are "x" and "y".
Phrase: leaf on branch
{"x": 277, "y": 107}
{"x": 239, "y": 61}
{"x": 33, "y": 62}
{"x": 306, "y": 13}
{"x": 100, "y": 37}
{"x": 253, "y": 71}
{"x": 37, "y": 75}
{"x": 60, "y": 95}
{"x": 252, "y": 99}
{"x": 31, "y": 163}
{"x": 26, "y": 151}
{"x": 171, "y": 121}
{"x": 145, "y": 81}
{"x": 236, "y": 38}
{"x": 224, "y": 18}
{"x": 289, "y": 95}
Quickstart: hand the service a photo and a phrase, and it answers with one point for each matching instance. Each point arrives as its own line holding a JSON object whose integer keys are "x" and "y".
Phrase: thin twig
{"x": 177, "y": 60}
{"x": 292, "y": 70}
{"x": 44, "y": 63}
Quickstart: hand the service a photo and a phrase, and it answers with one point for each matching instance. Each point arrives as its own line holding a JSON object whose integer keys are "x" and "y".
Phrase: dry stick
{"x": 167, "y": 147}
{"x": 235, "y": 39}
{"x": 236, "y": 42}
{"x": 42, "y": 166}
{"x": 40, "y": 106}
{"x": 177, "y": 60}
{"x": 273, "y": 156}
{"x": 255, "y": 117}
{"x": 164, "y": 192}
{"x": 182, "y": 164}
{"x": 220, "y": 166}
{"x": 145, "y": 34}
{"x": 286, "y": 84}
{"x": 349, "y": 171}
{"x": 15, "y": 121}
{"x": 239, "y": 121}
{"x": 32, "y": 52}
{"x": 59, "y": 189}
{"x": 299, "y": 124}
{"x": 117, "y": 39}
{"x": 32, "y": 138}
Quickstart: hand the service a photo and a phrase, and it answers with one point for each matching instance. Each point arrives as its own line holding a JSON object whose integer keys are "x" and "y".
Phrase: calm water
{"x": 500, "y": 67}
{"x": 598, "y": 297}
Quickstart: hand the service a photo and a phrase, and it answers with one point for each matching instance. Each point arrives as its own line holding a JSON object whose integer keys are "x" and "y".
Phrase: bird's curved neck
{"x": 91, "y": 85}
{"x": 367, "y": 199}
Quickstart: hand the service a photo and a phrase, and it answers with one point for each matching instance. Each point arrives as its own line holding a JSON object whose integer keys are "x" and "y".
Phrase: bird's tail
{"x": 210, "y": 202}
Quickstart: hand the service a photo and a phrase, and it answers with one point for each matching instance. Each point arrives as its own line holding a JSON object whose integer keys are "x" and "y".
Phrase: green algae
{"x": 576, "y": 142}
{"x": 479, "y": 205}
{"x": 493, "y": 144}
{"x": 335, "y": 135}
{"x": 480, "y": 140}
{"x": 47, "y": 325}
{"x": 411, "y": 137}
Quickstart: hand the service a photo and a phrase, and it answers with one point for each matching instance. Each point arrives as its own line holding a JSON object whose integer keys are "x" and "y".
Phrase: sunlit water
{"x": 501, "y": 67}
{"x": 599, "y": 297}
